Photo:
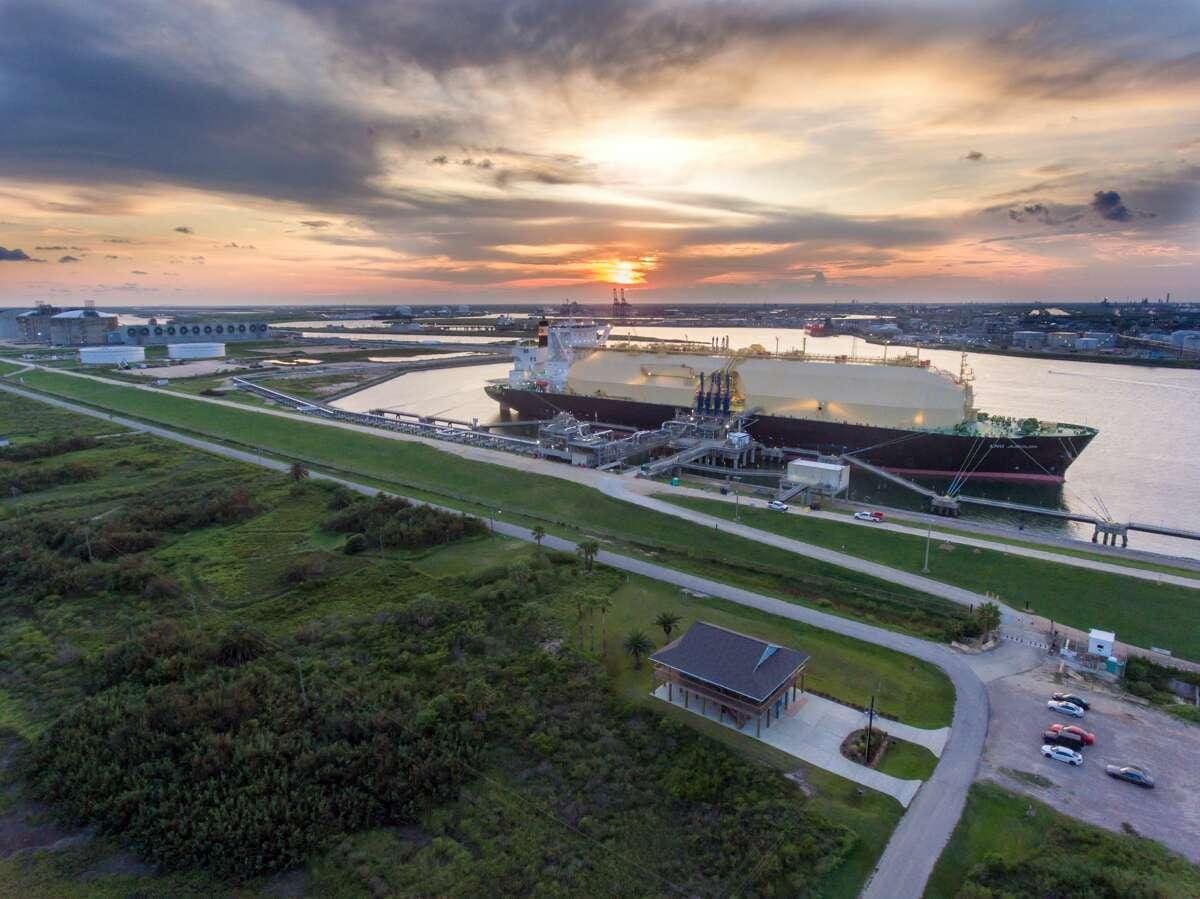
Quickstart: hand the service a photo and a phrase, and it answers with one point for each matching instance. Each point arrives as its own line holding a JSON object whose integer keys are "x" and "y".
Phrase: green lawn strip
{"x": 419, "y": 470}
{"x": 905, "y": 760}
{"x": 940, "y": 527}
{"x": 1144, "y": 613}
{"x": 1016, "y": 846}
{"x": 8, "y": 368}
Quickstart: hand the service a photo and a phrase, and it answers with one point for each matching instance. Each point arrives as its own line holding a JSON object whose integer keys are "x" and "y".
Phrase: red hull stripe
{"x": 983, "y": 475}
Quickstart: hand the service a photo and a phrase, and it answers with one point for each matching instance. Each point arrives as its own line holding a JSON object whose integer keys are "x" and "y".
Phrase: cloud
{"x": 13, "y": 255}
{"x": 136, "y": 272}
{"x": 316, "y": 223}
{"x": 974, "y": 156}
{"x": 1032, "y": 211}
{"x": 111, "y": 256}
{"x": 1107, "y": 204}
{"x": 51, "y": 249}
{"x": 68, "y": 259}
{"x": 184, "y": 229}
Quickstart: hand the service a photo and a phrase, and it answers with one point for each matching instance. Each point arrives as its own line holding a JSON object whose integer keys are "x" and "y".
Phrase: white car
{"x": 1065, "y": 708}
{"x": 777, "y": 506}
{"x": 1062, "y": 754}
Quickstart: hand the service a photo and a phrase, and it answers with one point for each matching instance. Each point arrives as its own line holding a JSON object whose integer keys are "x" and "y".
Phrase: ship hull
{"x": 1036, "y": 458}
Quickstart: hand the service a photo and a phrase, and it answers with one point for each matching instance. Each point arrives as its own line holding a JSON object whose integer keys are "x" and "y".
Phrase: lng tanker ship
{"x": 901, "y": 414}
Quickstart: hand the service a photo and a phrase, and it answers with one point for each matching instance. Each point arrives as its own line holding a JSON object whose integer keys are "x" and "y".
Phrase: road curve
{"x": 917, "y": 843}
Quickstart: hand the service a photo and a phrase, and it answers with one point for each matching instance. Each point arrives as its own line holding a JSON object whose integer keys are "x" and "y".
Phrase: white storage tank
{"x": 111, "y": 355}
{"x": 824, "y": 477}
{"x": 195, "y": 350}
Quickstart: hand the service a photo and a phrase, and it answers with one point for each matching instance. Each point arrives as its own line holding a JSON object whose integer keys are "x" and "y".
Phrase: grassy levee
{"x": 1141, "y": 612}
{"x": 1056, "y": 548}
{"x": 561, "y": 506}
{"x": 1008, "y": 845}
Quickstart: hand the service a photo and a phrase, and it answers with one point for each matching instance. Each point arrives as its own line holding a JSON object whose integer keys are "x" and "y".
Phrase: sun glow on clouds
{"x": 699, "y": 151}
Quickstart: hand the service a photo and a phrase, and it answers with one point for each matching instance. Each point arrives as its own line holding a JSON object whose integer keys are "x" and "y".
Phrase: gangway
{"x": 888, "y": 476}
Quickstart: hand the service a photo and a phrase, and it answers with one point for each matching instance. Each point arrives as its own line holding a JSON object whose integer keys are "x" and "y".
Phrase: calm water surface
{"x": 1143, "y": 465}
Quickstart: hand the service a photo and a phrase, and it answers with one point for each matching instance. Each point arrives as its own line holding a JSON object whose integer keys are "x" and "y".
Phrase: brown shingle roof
{"x": 725, "y": 658}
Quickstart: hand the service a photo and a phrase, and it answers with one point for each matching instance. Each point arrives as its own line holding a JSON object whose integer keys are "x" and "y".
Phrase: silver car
{"x": 1062, "y": 754}
{"x": 1064, "y": 708}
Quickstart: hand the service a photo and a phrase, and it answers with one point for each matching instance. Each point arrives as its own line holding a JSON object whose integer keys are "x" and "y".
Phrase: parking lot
{"x": 1126, "y": 733}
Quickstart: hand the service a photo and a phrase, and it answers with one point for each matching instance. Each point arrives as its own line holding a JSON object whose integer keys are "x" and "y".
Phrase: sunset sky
{"x": 480, "y": 150}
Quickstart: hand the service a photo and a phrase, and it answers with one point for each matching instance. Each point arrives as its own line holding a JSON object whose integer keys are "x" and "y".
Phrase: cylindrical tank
{"x": 111, "y": 355}
{"x": 195, "y": 350}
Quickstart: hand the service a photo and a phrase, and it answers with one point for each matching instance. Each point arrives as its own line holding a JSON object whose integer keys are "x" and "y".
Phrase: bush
{"x": 47, "y": 448}
{"x": 355, "y": 544}
{"x": 309, "y": 567}
{"x": 395, "y": 522}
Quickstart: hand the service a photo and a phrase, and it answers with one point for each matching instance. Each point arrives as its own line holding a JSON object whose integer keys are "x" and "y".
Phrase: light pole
{"x": 494, "y": 516}
{"x": 737, "y": 501}
{"x": 928, "y": 540}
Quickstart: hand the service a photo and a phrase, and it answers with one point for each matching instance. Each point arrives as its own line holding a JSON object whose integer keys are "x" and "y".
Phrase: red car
{"x": 1088, "y": 739}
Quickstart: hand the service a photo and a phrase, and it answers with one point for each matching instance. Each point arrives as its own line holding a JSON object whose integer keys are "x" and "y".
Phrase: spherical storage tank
{"x": 111, "y": 355}
{"x": 195, "y": 350}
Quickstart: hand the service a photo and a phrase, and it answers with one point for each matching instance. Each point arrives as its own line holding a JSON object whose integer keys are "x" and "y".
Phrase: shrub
{"x": 355, "y": 544}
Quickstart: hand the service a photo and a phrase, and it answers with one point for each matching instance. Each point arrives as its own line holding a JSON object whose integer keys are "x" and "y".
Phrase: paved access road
{"x": 917, "y": 842}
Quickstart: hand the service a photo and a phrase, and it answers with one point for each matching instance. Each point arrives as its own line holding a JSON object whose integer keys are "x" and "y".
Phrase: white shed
{"x": 1101, "y": 643}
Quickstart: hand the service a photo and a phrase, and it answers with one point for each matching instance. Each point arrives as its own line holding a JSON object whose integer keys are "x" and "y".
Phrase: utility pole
{"x": 928, "y": 540}
{"x": 870, "y": 727}
{"x": 737, "y": 501}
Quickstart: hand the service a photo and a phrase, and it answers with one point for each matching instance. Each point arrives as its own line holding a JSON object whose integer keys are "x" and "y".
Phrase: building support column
{"x": 758, "y": 726}
{"x": 670, "y": 692}
{"x": 685, "y": 699}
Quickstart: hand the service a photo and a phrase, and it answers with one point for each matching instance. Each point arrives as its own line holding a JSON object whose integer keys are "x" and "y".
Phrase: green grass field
{"x": 234, "y": 573}
{"x": 1141, "y": 612}
{"x": 1007, "y": 845}
{"x": 562, "y": 506}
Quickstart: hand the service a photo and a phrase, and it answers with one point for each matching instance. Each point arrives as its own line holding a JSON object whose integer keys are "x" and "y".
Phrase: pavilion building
{"x": 747, "y": 679}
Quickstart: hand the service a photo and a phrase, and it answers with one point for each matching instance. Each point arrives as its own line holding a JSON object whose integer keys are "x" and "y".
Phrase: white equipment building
{"x": 827, "y": 478}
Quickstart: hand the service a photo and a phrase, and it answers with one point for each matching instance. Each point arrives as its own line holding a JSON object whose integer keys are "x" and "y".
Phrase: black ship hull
{"x": 1035, "y": 458}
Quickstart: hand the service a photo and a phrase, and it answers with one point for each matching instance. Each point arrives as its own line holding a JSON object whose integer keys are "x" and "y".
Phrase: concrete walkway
{"x": 813, "y": 728}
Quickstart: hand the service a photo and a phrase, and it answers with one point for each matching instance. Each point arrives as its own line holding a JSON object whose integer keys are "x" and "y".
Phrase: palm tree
{"x": 297, "y": 472}
{"x": 636, "y": 645}
{"x": 667, "y": 621}
{"x": 587, "y": 551}
{"x": 603, "y": 604}
{"x": 988, "y": 616}
{"x": 539, "y": 534}
{"x": 583, "y": 602}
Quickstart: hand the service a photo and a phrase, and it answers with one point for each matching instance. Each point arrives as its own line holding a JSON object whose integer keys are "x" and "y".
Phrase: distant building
{"x": 1185, "y": 339}
{"x": 155, "y": 334}
{"x": 1029, "y": 340}
{"x": 82, "y": 327}
{"x": 1087, "y": 344}
{"x": 10, "y": 325}
{"x": 34, "y": 326}
{"x": 1106, "y": 338}
{"x": 746, "y": 679}
{"x": 1064, "y": 340}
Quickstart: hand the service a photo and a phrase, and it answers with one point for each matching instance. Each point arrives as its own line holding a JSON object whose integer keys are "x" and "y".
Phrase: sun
{"x": 624, "y": 271}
